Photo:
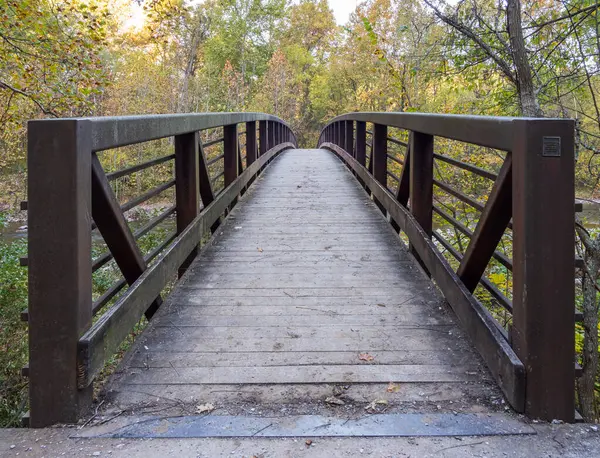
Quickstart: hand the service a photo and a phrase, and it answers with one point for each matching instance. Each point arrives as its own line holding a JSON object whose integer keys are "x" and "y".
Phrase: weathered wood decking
{"x": 302, "y": 285}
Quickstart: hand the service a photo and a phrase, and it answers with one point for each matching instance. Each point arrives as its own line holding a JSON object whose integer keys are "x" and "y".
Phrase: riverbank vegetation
{"x": 64, "y": 58}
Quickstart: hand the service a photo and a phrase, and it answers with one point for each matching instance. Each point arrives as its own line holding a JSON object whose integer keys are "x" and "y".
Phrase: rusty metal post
{"x": 336, "y": 134}
{"x": 543, "y": 333}
{"x": 350, "y": 137}
{"x": 262, "y": 138}
{"x": 421, "y": 183}
{"x": 230, "y": 160}
{"x": 59, "y": 156}
{"x": 187, "y": 189}
{"x": 379, "y": 158}
{"x": 271, "y": 134}
{"x": 250, "y": 143}
{"x": 361, "y": 142}
{"x": 421, "y": 180}
{"x": 230, "y": 146}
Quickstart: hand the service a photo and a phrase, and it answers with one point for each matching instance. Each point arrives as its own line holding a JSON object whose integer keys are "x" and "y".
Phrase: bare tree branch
{"x": 453, "y": 22}
{"x": 44, "y": 110}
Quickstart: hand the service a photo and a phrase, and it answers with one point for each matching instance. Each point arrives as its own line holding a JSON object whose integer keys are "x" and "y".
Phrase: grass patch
{"x": 13, "y": 333}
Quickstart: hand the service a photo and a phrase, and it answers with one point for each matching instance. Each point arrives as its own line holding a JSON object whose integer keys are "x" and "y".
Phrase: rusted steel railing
{"x": 70, "y": 195}
{"x": 532, "y": 355}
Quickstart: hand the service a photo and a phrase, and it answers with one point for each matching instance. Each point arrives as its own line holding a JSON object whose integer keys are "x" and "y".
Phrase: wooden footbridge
{"x": 313, "y": 280}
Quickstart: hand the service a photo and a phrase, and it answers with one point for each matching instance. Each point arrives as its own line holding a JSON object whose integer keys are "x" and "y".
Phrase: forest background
{"x": 67, "y": 58}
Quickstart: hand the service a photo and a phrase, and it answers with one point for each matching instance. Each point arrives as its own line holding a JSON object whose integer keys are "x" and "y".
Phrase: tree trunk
{"x": 190, "y": 65}
{"x": 586, "y": 384}
{"x": 525, "y": 85}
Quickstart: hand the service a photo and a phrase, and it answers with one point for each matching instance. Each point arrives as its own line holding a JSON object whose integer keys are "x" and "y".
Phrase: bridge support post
{"x": 342, "y": 137}
{"x": 230, "y": 160}
{"x": 543, "y": 260}
{"x": 187, "y": 190}
{"x": 263, "y": 145}
{"x": 271, "y": 134}
{"x": 421, "y": 180}
{"x": 361, "y": 142}
{"x": 421, "y": 183}
{"x": 60, "y": 269}
{"x": 379, "y": 158}
{"x": 250, "y": 143}
{"x": 230, "y": 146}
{"x": 360, "y": 148}
{"x": 350, "y": 137}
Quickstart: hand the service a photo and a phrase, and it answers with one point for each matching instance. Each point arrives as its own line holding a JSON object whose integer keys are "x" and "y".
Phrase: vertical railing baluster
{"x": 271, "y": 134}
{"x": 421, "y": 183}
{"x": 187, "y": 190}
{"x": 370, "y": 165}
{"x": 342, "y": 135}
{"x": 361, "y": 142}
{"x": 59, "y": 158}
{"x": 230, "y": 145}
{"x": 379, "y": 157}
{"x": 421, "y": 180}
{"x": 230, "y": 161}
{"x": 543, "y": 205}
{"x": 250, "y": 143}
{"x": 350, "y": 137}
{"x": 279, "y": 133}
{"x": 263, "y": 142}
{"x": 336, "y": 133}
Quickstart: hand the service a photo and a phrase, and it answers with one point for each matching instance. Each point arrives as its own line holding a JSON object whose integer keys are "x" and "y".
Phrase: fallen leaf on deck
{"x": 260, "y": 250}
{"x": 381, "y": 305}
{"x": 334, "y": 401}
{"x": 338, "y": 390}
{"x": 366, "y": 357}
{"x": 377, "y": 405}
{"x": 308, "y": 443}
{"x": 393, "y": 388}
{"x": 205, "y": 408}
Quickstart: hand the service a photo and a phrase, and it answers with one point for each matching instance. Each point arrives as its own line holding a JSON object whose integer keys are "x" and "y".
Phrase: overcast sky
{"x": 342, "y": 9}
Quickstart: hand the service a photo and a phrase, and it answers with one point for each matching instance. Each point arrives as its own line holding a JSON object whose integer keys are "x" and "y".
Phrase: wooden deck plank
{"x": 191, "y": 317}
{"x": 302, "y": 277}
{"x": 306, "y": 374}
{"x": 155, "y": 359}
{"x": 310, "y": 306}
